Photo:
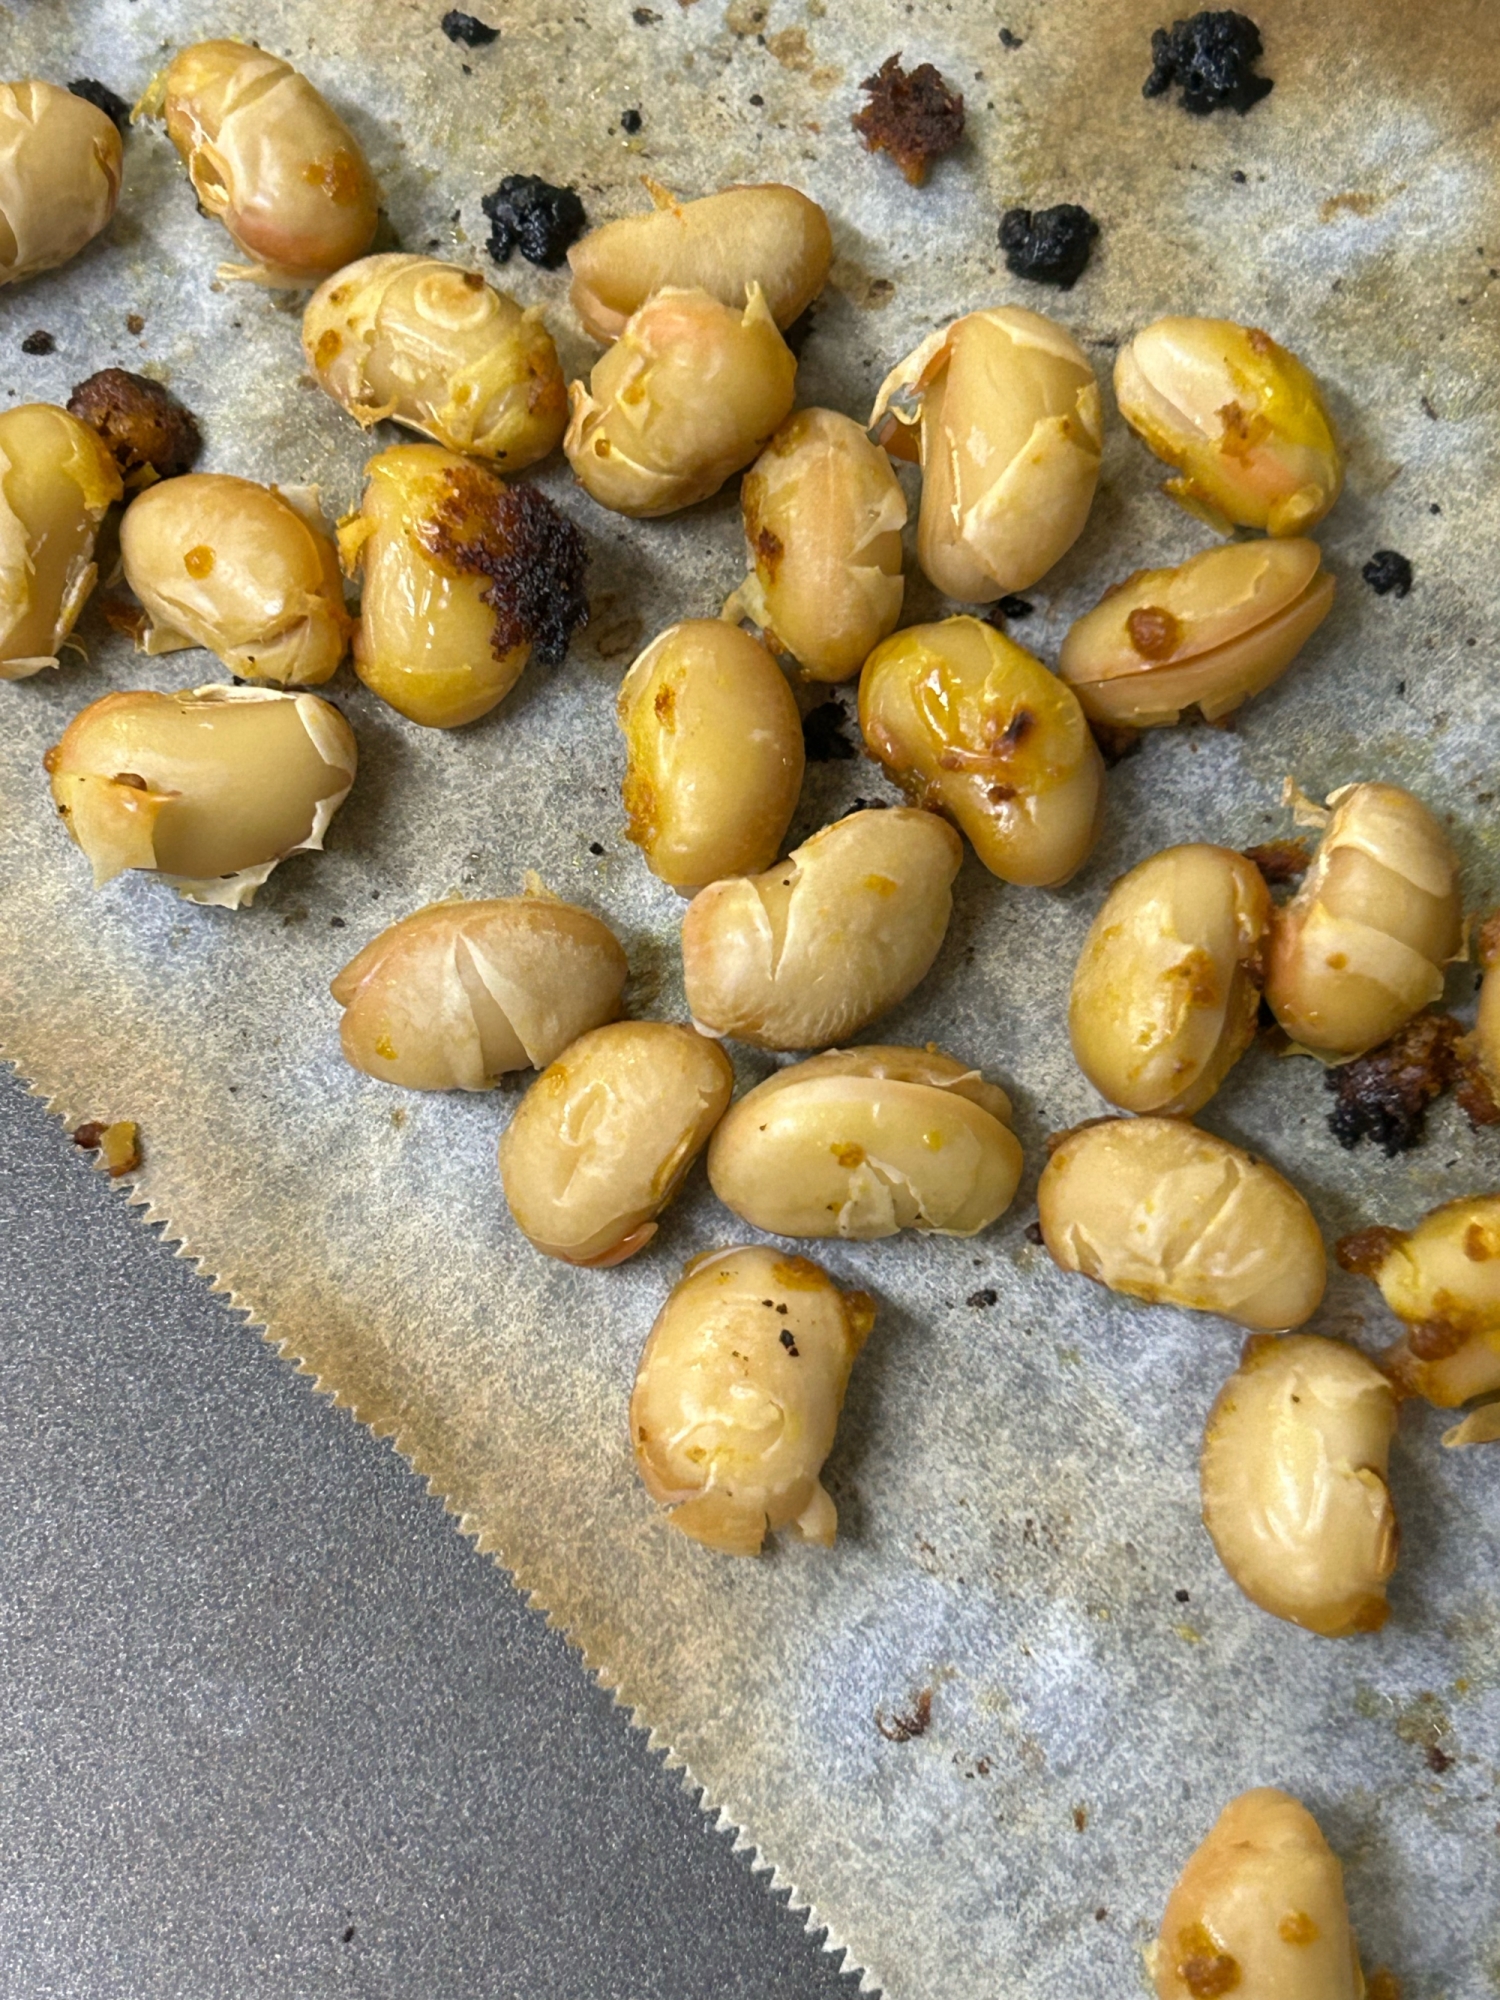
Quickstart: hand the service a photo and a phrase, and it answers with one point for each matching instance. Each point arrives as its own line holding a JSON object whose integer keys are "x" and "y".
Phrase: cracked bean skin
{"x": 247, "y": 571}
{"x": 767, "y": 235}
{"x": 862, "y": 1143}
{"x": 57, "y": 482}
{"x": 823, "y": 943}
{"x": 457, "y": 994}
{"x": 1238, "y": 417}
{"x": 972, "y": 725}
{"x": 1160, "y": 1211}
{"x": 432, "y": 346}
{"x": 714, "y": 755}
{"x": 210, "y": 788}
{"x": 1295, "y": 1457}
{"x": 688, "y": 394}
{"x": 1167, "y": 987}
{"x": 1009, "y": 433}
{"x": 823, "y": 515}
{"x": 605, "y": 1136}
{"x": 1363, "y": 944}
{"x": 1258, "y": 1911}
{"x": 60, "y": 164}
{"x": 269, "y": 158}
{"x": 738, "y": 1394}
{"x": 1206, "y": 635}
{"x": 1442, "y": 1281}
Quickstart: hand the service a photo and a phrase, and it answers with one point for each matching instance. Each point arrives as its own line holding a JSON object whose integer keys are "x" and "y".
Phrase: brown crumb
{"x": 1081, "y": 1818}
{"x": 912, "y": 115}
{"x": 1383, "y": 1985}
{"x": 1473, "y": 1091}
{"x": 1280, "y": 861}
{"x": 1384, "y": 1095}
{"x": 1365, "y": 1250}
{"x": 1437, "y": 1759}
{"x": 134, "y": 323}
{"x": 142, "y": 423}
{"x": 1116, "y": 740}
{"x": 121, "y": 616}
{"x": 533, "y": 555}
{"x": 902, "y": 1728}
{"x": 118, "y": 1145}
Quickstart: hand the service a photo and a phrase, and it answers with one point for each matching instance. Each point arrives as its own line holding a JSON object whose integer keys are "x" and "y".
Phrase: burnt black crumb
{"x": 40, "y": 342}
{"x": 796, "y": 334}
{"x": 1384, "y": 1095}
{"x": 468, "y": 32}
{"x": 1238, "y": 176}
{"x": 142, "y": 423}
{"x": 643, "y": 17}
{"x": 757, "y": 100}
{"x": 1033, "y": 1232}
{"x": 1011, "y": 606}
{"x": 102, "y": 98}
{"x": 529, "y": 214}
{"x": 823, "y": 736}
{"x": 631, "y": 121}
{"x": 1387, "y": 572}
{"x": 985, "y": 1296}
{"x": 1211, "y": 58}
{"x": 1429, "y": 408}
{"x": 864, "y": 806}
{"x": 336, "y": 923}
{"x": 595, "y": 847}
{"x": 533, "y": 556}
{"x": 1050, "y": 246}
{"x": 349, "y": 1935}
{"x": 788, "y": 1341}
{"x": 1009, "y": 39}
{"x": 1433, "y": 507}
{"x": 1183, "y": 1596}
{"x": 912, "y": 115}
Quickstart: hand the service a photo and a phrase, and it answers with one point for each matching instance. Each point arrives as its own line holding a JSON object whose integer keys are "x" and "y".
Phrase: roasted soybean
{"x": 210, "y": 788}
{"x": 56, "y": 485}
{"x": 969, "y": 723}
{"x": 1294, "y": 1464}
{"x": 864, "y": 1142}
{"x": 1442, "y": 1280}
{"x": 60, "y": 161}
{"x": 602, "y": 1140}
{"x": 435, "y": 348}
{"x": 248, "y": 571}
{"x": 714, "y": 753}
{"x": 1167, "y": 987}
{"x": 738, "y": 1394}
{"x": 1160, "y": 1211}
{"x": 458, "y": 993}
{"x": 817, "y": 947}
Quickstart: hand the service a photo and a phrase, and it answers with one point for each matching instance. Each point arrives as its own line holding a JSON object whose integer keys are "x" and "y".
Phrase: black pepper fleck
{"x": 1183, "y": 1596}
{"x": 102, "y": 98}
{"x": 631, "y": 121}
{"x": 529, "y": 214}
{"x": 1011, "y": 606}
{"x": 788, "y": 1341}
{"x": 1387, "y": 572}
{"x": 468, "y": 32}
{"x": 595, "y": 847}
{"x": 986, "y": 1296}
{"x": 1433, "y": 507}
{"x": 336, "y": 923}
{"x": 1009, "y": 39}
{"x": 643, "y": 17}
{"x": 1211, "y": 59}
{"x": 39, "y": 342}
{"x": 823, "y": 737}
{"x": 1050, "y": 246}
{"x": 1238, "y": 176}
{"x": 1032, "y": 1232}
{"x": 757, "y": 100}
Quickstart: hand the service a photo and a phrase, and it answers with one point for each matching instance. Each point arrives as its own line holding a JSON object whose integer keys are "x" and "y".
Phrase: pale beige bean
{"x": 56, "y": 485}
{"x": 1295, "y": 1455}
{"x": 458, "y": 993}
{"x": 1156, "y": 1209}
{"x": 1363, "y": 944}
{"x": 970, "y": 724}
{"x": 823, "y": 515}
{"x": 603, "y": 1139}
{"x": 1009, "y": 436}
{"x": 1241, "y": 420}
{"x": 249, "y": 571}
{"x": 1483, "y": 1046}
{"x": 210, "y": 788}
{"x": 465, "y": 580}
{"x": 817, "y": 947}
{"x": 864, "y": 1142}
{"x": 60, "y": 162}
{"x": 1442, "y": 1281}
{"x": 738, "y": 1394}
{"x": 432, "y": 346}
{"x": 687, "y": 395}
{"x": 714, "y": 756}
{"x": 1259, "y": 1912}
{"x": 269, "y": 158}
{"x": 1206, "y": 635}
{"x": 1167, "y": 987}
{"x": 769, "y": 235}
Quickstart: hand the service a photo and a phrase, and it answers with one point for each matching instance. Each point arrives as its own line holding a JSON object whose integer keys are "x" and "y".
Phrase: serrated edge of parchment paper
{"x": 768, "y": 1873}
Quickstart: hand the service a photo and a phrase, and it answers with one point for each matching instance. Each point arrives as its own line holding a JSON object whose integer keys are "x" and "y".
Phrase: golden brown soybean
{"x": 968, "y": 722}
{"x": 60, "y": 160}
{"x": 1442, "y": 1281}
{"x": 56, "y": 485}
{"x": 738, "y": 1394}
{"x": 714, "y": 753}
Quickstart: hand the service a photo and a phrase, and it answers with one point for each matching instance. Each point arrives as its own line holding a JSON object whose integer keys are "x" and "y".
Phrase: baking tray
{"x": 1016, "y": 1481}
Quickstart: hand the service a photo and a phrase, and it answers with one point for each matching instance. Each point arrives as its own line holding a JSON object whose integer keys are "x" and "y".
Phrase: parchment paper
{"x": 1017, "y": 1482}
